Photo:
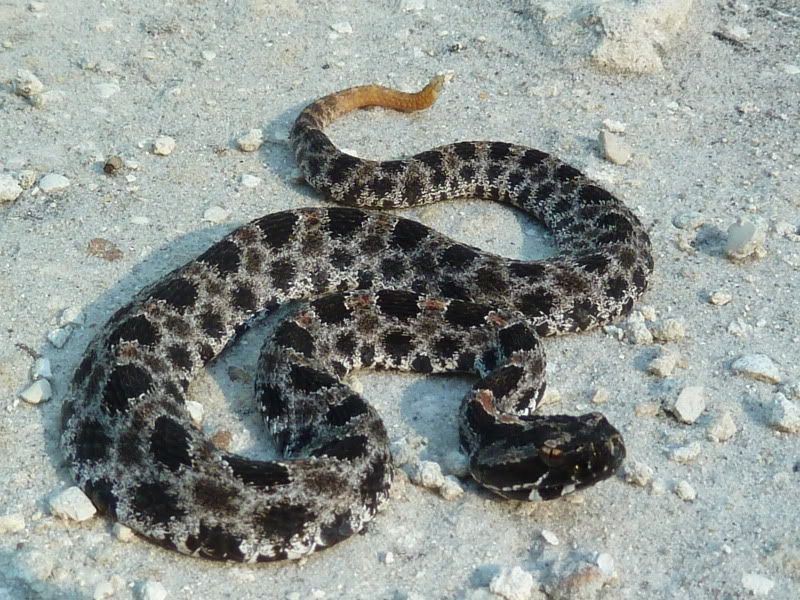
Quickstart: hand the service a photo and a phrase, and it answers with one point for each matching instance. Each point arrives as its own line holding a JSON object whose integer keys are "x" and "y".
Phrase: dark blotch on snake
{"x": 178, "y": 293}
{"x": 223, "y": 256}
{"x": 169, "y": 444}
{"x": 290, "y": 335}
{"x": 331, "y": 309}
{"x": 125, "y": 382}
{"x": 399, "y": 304}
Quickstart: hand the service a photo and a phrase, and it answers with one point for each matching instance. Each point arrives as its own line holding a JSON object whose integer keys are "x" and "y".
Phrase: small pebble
{"x": 583, "y": 581}
{"x": 685, "y": 491}
{"x": 208, "y": 55}
{"x": 614, "y": 148}
{"x": 745, "y": 241}
{"x": 427, "y": 473}
{"x": 637, "y": 473}
{"x": 668, "y": 330}
{"x": 636, "y": 331}
{"x": 600, "y": 396}
{"x": 720, "y": 298}
{"x": 251, "y": 141}
{"x": 41, "y": 369}
{"x": 72, "y": 316}
{"x": 737, "y": 33}
{"x": 140, "y": 220}
{"x": 26, "y": 178}
{"x": 550, "y": 537}
{"x": 27, "y": 85}
{"x": 113, "y": 165}
{"x": 688, "y": 220}
{"x": 250, "y": 181}
{"x": 104, "y": 249}
{"x": 388, "y": 558}
{"x": 664, "y": 364}
{"x": 686, "y": 454}
{"x": 411, "y": 5}
{"x": 342, "y": 27}
{"x": 405, "y": 451}
{"x": 785, "y": 415}
{"x": 123, "y": 533}
{"x": 605, "y": 562}
{"x": 756, "y": 584}
{"x": 152, "y": 590}
{"x": 196, "y": 411}
{"x": 58, "y": 337}
{"x": 512, "y": 584}
{"x": 722, "y": 429}
{"x": 787, "y": 230}
{"x": 757, "y": 366}
{"x": 71, "y": 504}
{"x": 37, "y": 392}
{"x": 450, "y": 488}
{"x": 12, "y": 523}
{"x": 104, "y": 589}
{"x": 107, "y": 89}
{"x": 37, "y": 7}
{"x": 164, "y": 145}
{"x": 9, "y": 188}
{"x": 647, "y": 409}
{"x": 613, "y": 126}
{"x": 791, "y": 69}
{"x": 104, "y": 26}
{"x": 689, "y": 404}
{"x": 53, "y": 182}
{"x": 215, "y": 214}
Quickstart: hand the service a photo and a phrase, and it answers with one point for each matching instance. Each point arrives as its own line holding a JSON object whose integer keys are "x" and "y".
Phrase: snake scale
{"x": 373, "y": 291}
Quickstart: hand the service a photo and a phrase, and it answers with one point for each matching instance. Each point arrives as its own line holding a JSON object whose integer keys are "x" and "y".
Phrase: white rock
{"x": 53, "y": 182}
{"x": 196, "y": 411}
{"x": 739, "y": 327}
{"x": 737, "y": 33}
{"x": 450, "y": 488}
{"x": 388, "y": 558}
{"x": 785, "y": 415}
{"x": 342, "y": 27}
{"x": 689, "y": 404}
{"x": 215, "y": 214}
{"x": 686, "y": 454}
{"x": 163, "y": 145}
{"x": 152, "y": 590}
{"x": 37, "y": 392}
{"x": 756, "y": 584}
{"x": 27, "y": 85}
{"x": 636, "y": 331}
{"x": 664, "y": 364}
{"x": 72, "y": 504}
{"x": 685, "y": 491}
{"x": 720, "y": 298}
{"x": 791, "y": 69}
{"x": 9, "y": 188}
{"x": 550, "y": 537}
{"x": 605, "y": 562}
{"x": 757, "y": 366}
{"x": 208, "y": 55}
{"x": 104, "y": 26}
{"x": 107, "y": 89}
{"x": 614, "y": 148}
{"x": 427, "y": 473}
{"x": 140, "y": 220}
{"x": 123, "y": 533}
{"x": 600, "y": 396}
{"x": 72, "y": 315}
{"x": 58, "y": 337}
{"x": 668, "y": 330}
{"x": 41, "y": 369}
{"x": 37, "y": 7}
{"x": 12, "y": 523}
{"x": 745, "y": 241}
{"x": 412, "y": 5}
{"x": 512, "y": 584}
{"x": 637, "y": 473}
{"x": 689, "y": 221}
{"x": 104, "y": 589}
{"x": 722, "y": 429}
{"x": 250, "y": 181}
{"x": 251, "y": 141}
{"x": 613, "y": 126}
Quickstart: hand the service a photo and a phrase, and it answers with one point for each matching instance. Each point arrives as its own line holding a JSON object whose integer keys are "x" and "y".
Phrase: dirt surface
{"x": 708, "y": 95}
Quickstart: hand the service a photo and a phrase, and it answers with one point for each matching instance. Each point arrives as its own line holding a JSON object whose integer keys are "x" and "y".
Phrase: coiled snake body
{"x": 378, "y": 291}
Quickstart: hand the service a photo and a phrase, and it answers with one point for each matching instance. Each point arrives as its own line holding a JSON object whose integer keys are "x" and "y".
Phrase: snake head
{"x": 549, "y": 457}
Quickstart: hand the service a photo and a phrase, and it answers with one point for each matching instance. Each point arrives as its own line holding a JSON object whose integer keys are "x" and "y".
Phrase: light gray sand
{"x": 713, "y": 127}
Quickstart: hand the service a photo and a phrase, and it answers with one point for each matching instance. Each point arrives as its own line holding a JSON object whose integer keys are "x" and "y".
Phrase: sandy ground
{"x": 711, "y": 117}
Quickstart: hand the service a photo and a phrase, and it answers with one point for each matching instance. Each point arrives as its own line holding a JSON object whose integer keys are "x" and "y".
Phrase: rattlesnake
{"x": 377, "y": 291}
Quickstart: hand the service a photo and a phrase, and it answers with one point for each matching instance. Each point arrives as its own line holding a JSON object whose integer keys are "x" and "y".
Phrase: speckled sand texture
{"x": 135, "y": 133}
